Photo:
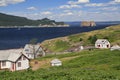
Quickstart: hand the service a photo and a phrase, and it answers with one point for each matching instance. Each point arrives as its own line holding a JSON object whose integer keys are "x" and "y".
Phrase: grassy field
{"x": 95, "y": 64}
{"x": 85, "y": 65}
{"x": 111, "y": 33}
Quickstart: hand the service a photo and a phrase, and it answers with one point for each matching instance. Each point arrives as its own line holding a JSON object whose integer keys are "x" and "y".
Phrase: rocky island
{"x": 88, "y": 23}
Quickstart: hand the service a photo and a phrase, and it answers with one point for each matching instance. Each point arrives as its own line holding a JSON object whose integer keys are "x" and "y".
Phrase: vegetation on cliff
{"x": 10, "y": 20}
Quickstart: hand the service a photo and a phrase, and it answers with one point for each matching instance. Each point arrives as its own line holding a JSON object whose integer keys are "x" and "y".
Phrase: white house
{"x": 115, "y": 47}
{"x": 29, "y": 50}
{"x": 13, "y": 61}
{"x": 102, "y": 43}
{"x": 56, "y": 62}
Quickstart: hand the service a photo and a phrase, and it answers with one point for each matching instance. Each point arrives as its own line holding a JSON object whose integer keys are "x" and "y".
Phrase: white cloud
{"x": 66, "y": 14}
{"x": 64, "y": 6}
{"x": 78, "y": 2}
{"x": 46, "y": 13}
{"x": 83, "y": 1}
{"x": 95, "y": 4}
{"x": 117, "y": 1}
{"x": 111, "y": 3}
{"x": 69, "y": 6}
{"x": 109, "y": 8}
{"x": 7, "y": 2}
{"x": 69, "y": 13}
{"x": 32, "y": 8}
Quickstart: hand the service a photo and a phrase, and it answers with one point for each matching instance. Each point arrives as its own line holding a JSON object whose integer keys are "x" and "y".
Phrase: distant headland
{"x": 10, "y": 21}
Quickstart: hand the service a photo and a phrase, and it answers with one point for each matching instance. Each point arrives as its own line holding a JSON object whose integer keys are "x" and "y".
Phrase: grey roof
{"x": 101, "y": 41}
{"x": 29, "y": 47}
{"x": 115, "y": 47}
{"x": 55, "y": 61}
{"x": 9, "y": 55}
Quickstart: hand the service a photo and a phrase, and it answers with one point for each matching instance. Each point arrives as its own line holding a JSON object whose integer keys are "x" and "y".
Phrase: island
{"x": 88, "y": 23}
{"x": 11, "y": 21}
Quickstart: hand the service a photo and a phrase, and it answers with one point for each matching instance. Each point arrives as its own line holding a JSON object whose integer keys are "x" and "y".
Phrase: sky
{"x": 63, "y": 10}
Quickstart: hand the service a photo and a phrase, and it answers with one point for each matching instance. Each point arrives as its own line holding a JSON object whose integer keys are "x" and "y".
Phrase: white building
{"x": 102, "y": 43}
{"x": 29, "y": 50}
{"x": 115, "y": 47}
{"x": 13, "y": 61}
{"x": 81, "y": 48}
{"x": 56, "y": 62}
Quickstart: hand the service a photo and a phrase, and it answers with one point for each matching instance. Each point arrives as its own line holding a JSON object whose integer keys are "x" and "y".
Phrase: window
{"x": 98, "y": 45}
{"x": 107, "y": 46}
{"x": 24, "y": 58}
{"x": 19, "y": 64}
{"x": 26, "y": 49}
{"x": 4, "y": 63}
{"x": 28, "y": 55}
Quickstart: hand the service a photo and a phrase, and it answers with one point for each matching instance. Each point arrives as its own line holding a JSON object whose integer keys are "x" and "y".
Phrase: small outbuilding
{"x": 102, "y": 43}
{"x": 115, "y": 47}
{"x": 81, "y": 48}
{"x": 56, "y": 62}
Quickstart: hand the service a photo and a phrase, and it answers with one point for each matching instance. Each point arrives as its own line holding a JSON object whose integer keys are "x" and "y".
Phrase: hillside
{"x": 111, "y": 33}
{"x": 85, "y": 65}
{"x": 10, "y": 20}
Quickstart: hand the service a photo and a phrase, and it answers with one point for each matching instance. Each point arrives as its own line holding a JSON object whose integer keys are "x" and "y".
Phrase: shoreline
{"x": 40, "y": 26}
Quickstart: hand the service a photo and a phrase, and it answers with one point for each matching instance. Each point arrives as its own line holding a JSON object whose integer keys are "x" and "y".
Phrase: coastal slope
{"x": 111, "y": 33}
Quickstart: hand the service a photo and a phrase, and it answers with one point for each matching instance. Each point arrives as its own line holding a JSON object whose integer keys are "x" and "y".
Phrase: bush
{"x": 92, "y": 39}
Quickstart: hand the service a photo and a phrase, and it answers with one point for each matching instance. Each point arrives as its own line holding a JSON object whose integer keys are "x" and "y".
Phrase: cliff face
{"x": 88, "y": 23}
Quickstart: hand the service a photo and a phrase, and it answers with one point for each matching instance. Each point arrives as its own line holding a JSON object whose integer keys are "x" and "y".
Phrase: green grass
{"x": 88, "y": 65}
{"x": 60, "y": 44}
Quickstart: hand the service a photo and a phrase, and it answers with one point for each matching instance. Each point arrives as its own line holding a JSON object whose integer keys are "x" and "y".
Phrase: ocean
{"x": 11, "y": 38}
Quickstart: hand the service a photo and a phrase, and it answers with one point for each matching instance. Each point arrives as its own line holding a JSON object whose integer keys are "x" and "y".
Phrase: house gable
{"x": 29, "y": 49}
{"x": 10, "y": 61}
{"x": 102, "y": 43}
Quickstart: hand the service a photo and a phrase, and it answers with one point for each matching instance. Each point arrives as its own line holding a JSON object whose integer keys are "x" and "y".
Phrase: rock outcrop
{"x": 88, "y": 23}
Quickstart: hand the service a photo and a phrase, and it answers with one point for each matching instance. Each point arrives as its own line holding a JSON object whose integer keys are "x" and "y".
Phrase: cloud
{"x": 78, "y": 2}
{"x": 69, "y": 6}
{"x": 7, "y": 2}
{"x": 32, "y": 8}
{"x": 110, "y": 8}
{"x": 95, "y": 4}
{"x": 66, "y": 14}
{"x": 69, "y": 13}
{"x": 111, "y": 3}
{"x": 46, "y": 13}
{"x": 118, "y": 1}
{"x": 83, "y": 1}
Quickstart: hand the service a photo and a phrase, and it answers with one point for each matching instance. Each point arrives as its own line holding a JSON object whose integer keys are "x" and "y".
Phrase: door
{"x": 0, "y": 64}
{"x": 13, "y": 66}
